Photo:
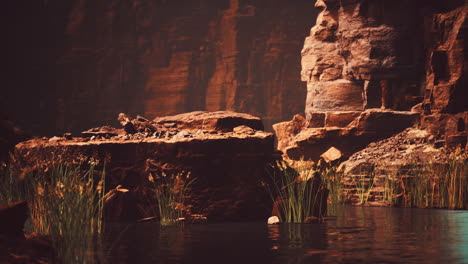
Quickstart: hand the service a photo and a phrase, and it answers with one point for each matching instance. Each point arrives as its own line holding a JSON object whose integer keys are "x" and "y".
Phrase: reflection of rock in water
{"x": 298, "y": 243}
{"x": 357, "y": 235}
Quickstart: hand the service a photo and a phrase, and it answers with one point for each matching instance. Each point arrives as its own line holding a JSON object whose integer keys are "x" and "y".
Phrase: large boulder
{"x": 370, "y": 75}
{"x": 367, "y": 127}
{"x": 226, "y": 160}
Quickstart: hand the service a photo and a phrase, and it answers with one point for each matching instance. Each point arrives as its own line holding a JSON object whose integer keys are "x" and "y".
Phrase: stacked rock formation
{"x": 373, "y": 68}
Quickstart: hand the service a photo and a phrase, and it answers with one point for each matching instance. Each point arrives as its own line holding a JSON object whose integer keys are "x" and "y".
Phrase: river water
{"x": 355, "y": 235}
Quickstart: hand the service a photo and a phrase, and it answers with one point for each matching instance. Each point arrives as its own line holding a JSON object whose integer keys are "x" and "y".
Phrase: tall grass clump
{"x": 170, "y": 192}
{"x": 12, "y": 189}
{"x": 430, "y": 185}
{"x": 65, "y": 202}
{"x": 332, "y": 179}
{"x": 68, "y": 205}
{"x": 391, "y": 191}
{"x": 454, "y": 183}
{"x": 364, "y": 183}
{"x": 296, "y": 192}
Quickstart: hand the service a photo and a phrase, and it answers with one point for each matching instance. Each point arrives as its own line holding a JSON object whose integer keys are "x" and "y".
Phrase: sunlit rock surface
{"x": 374, "y": 68}
{"x": 370, "y": 125}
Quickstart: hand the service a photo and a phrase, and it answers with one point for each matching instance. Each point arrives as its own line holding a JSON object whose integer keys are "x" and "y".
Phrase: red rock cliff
{"x": 81, "y": 62}
{"x": 372, "y": 67}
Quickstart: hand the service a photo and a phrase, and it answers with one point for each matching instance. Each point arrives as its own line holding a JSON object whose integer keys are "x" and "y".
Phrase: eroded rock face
{"x": 373, "y": 67}
{"x": 445, "y": 103}
{"x": 226, "y": 159}
{"x": 356, "y": 56}
{"x": 92, "y": 60}
{"x": 370, "y": 125}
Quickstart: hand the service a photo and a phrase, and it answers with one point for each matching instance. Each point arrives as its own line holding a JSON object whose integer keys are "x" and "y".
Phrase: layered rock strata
{"x": 83, "y": 62}
{"x": 297, "y": 141}
{"x": 445, "y": 103}
{"x": 373, "y": 68}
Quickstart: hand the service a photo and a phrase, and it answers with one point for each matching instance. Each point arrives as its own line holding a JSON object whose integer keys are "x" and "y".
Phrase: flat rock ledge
{"x": 225, "y": 152}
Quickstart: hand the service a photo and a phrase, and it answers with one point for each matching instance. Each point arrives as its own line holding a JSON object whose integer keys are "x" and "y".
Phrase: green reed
{"x": 66, "y": 203}
{"x": 170, "y": 192}
{"x": 364, "y": 183}
{"x": 296, "y": 191}
{"x": 12, "y": 189}
{"x": 391, "y": 190}
{"x": 333, "y": 180}
{"x": 430, "y": 185}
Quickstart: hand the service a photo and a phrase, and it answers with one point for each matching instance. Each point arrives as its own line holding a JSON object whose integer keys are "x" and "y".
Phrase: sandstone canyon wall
{"x": 77, "y": 64}
{"x": 373, "y": 68}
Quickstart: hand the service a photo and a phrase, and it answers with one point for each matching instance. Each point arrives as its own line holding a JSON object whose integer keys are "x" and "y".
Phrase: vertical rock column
{"x": 355, "y": 57}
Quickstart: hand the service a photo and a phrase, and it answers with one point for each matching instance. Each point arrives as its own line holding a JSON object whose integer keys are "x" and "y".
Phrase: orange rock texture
{"x": 82, "y": 62}
{"x": 372, "y": 67}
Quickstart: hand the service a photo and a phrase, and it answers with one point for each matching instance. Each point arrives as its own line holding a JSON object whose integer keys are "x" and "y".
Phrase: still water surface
{"x": 356, "y": 235}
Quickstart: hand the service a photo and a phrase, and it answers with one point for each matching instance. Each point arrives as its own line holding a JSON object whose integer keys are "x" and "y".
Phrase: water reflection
{"x": 376, "y": 235}
{"x": 356, "y": 235}
{"x": 298, "y": 243}
{"x": 211, "y": 243}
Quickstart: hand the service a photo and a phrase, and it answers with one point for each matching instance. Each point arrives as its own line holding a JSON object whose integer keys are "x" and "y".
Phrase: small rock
{"x": 67, "y": 136}
{"x": 126, "y": 123}
{"x": 55, "y": 139}
{"x": 331, "y": 154}
{"x": 169, "y": 125}
{"x": 102, "y": 132}
{"x": 243, "y": 130}
{"x": 273, "y": 220}
{"x": 141, "y": 119}
{"x": 182, "y": 134}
